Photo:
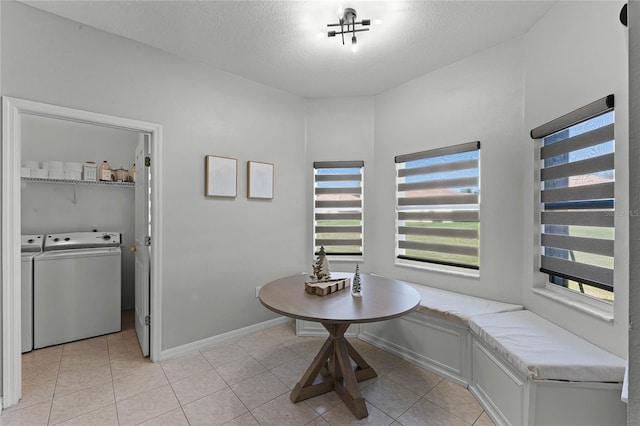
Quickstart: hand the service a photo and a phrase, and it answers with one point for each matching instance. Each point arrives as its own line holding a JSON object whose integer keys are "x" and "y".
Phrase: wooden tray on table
{"x": 322, "y": 288}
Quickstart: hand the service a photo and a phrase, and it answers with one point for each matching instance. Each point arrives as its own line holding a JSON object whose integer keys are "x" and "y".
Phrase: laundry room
{"x": 73, "y": 202}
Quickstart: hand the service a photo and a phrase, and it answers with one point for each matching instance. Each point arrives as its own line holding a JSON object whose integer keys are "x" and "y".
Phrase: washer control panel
{"x": 31, "y": 243}
{"x": 73, "y": 240}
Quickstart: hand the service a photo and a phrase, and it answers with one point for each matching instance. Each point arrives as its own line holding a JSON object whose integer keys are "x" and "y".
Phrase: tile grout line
{"x": 197, "y": 399}
{"x": 267, "y": 370}
{"x": 148, "y": 390}
{"x": 77, "y": 391}
{"x": 174, "y": 395}
{"x": 55, "y": 386}
{"x": 445, "y": 409}
{"x": 113, "y": 385}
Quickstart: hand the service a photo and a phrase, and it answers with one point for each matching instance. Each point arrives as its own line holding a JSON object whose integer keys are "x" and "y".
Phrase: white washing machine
{"x": 31, "y": 246}
{"x": 76, "y": 290}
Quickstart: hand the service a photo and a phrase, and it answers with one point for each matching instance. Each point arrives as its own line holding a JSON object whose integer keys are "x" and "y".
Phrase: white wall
{"x": 342, "y": 129}
{"x": 568, "y": 66}
{"x": 478, "y": 98}
{"x": 215, "y": 251}
{"x": 50, "y": 208}
{"x": 48, "y": 139}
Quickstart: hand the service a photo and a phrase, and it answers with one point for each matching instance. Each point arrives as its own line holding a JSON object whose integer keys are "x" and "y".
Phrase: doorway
{"x": 13, "y": 112}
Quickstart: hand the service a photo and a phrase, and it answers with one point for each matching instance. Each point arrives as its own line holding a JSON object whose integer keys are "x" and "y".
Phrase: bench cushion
{"x": 457, "y": 307}
{"x": 543, "y": 351}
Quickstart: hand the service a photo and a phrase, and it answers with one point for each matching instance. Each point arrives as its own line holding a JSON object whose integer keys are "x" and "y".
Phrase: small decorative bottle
{"x": 104, "y": 171}
{"x": 132, "y": 173}
{"x": 356, "y": 286}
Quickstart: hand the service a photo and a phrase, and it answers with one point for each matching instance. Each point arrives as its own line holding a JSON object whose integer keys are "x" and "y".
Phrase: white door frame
{"x": 12, "y": 111}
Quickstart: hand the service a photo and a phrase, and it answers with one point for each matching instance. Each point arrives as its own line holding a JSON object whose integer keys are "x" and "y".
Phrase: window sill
{"x": 443, "y": 269}
{"x": 600, "y": 310}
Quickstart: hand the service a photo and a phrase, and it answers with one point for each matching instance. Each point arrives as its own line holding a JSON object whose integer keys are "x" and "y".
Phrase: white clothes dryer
{"x": 76, "y": 291}
{"x": 31, "y": 246}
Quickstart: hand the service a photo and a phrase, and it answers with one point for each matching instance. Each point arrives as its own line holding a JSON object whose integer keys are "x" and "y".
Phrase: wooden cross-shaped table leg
{"x": 333, "y": 364}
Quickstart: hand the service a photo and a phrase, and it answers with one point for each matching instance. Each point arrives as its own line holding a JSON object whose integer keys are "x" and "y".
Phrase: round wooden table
{"x": 382, "y": 299}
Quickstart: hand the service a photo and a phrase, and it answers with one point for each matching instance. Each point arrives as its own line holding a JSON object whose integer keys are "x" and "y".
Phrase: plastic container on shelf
{"x": 122, "y": 175}
{"x": 104, "y": 171}
{"x": 40, "y": 173}
{"x": 89, "y": 171}
{"x": 56, "y": 174}
{"x": 72, "y": 166}
{"x": 54, "y": 166}
{"x": 72, "y": 175}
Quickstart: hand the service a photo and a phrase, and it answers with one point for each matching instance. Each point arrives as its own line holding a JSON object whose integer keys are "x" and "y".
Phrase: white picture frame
{"x": 221, "y": 177}
{"x": 260, "y": 183}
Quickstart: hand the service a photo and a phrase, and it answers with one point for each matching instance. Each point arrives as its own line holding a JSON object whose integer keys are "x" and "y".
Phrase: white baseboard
{"x": 200, "y": 344}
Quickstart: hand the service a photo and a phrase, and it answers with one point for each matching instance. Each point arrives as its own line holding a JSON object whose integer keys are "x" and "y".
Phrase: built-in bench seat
{"x": 529, "y": 371}
{"x": 541, "y": 350}
{"x": 456, "y": 307}
{"x": 523, "y": 369}
{"x": 437, "y": 334}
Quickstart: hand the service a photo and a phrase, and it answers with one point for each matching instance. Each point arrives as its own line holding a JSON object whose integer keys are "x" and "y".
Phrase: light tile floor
{"x": 107, "y": 381}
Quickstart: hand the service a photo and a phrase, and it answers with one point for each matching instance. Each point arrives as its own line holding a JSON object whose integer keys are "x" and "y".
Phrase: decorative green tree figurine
{"x": 321, "y": 271}
{"x": 356, "y": 286}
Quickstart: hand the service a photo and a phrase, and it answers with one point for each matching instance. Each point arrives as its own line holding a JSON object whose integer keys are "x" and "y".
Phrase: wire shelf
{"x": 79, "y": 182}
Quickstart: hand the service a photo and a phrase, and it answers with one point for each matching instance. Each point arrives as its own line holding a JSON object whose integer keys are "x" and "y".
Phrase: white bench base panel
{"x": 511, "y": 398}
{"x": 438, "y": 345}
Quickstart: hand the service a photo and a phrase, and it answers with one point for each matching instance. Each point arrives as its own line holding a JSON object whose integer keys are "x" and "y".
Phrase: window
{"x": 577, "y": 178}
{"x": 338, "y": 208}
{"x": 438, "y": 195}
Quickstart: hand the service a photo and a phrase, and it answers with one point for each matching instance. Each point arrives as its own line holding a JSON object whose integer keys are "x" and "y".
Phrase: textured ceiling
{"x": 283, "y": 44}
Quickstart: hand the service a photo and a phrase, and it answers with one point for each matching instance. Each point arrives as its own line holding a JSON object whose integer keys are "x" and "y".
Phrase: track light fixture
{"x": 347, "y": 25}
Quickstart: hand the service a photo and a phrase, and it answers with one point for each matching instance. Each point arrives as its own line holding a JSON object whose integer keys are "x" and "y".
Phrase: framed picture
{"x": 259, "y": 180}
{"x": 221, "y": 176}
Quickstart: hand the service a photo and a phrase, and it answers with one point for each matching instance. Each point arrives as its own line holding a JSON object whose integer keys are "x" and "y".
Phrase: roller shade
{"x": 437, "y": 205}
{"x": 338, "y": 198}
{"x": 577, "y": 176}
{"x": 584, "y": 113}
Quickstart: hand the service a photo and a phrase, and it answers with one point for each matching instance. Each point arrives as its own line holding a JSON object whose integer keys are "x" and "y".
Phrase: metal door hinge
{"x": 147, "y": 320}
{"x": 147, "y": 241}
{"x": 147, "y": 161}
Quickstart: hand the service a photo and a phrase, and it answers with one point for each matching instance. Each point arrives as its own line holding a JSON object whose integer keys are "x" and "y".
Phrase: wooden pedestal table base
{"x": 333, "y": 363}
{"x": 332, "y": 369}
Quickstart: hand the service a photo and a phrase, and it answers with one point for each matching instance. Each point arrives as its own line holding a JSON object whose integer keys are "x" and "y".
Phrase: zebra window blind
{"x": 438, "y": 215}
{"x": 338, "y": 207}
{"x": 577, "y": 176}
